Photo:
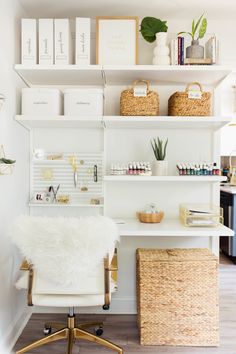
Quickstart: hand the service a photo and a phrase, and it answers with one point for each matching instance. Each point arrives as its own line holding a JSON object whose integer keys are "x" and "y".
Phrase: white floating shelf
{"x": 121, "y": 75}
{"x": 122, "y": 122}
{"x": 60, "y": 205}
{"x": 60, "y": 74}
{"x": 169, "y": 227}
{"x": 172, "y": 74}
{"x": 164, "y": 178}
{"x": 71, "y": 122}
{"x": 163, "y": 122}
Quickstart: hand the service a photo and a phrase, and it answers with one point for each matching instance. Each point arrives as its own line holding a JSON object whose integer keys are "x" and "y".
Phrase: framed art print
{"x": 117, "y": 40}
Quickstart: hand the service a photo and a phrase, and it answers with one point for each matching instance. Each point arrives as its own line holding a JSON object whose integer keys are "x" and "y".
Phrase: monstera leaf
{"x": 150, "y": 26}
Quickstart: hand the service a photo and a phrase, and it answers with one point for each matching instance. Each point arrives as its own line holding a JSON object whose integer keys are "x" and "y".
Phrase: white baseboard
{"x": 14, "y": 330}
{"x": 119, "y": 305}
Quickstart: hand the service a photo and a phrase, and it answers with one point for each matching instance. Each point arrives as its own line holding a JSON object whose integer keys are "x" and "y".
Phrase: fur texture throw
{"x": 64, "y": 248}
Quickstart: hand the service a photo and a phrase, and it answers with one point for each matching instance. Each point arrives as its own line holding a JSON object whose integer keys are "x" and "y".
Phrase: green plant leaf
{"x": 193, "y": 26}
{"x": 7, "y": 161}
{"x": 150, "y": 26}
{"x": 165, "y": 149}
{"x": 157, "y": 147}
{"x": 153, "y": 148}
{"x": 157, "y": 150}
{"x": 202, "y": 29}
{"x": 183, "y": 32}
{"x": 160, "y": 142}
{"x": 197, "y": 24}
{"x": 148, "y": 35}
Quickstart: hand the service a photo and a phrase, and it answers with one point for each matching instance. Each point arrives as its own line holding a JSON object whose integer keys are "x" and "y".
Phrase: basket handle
{"x": 193, "y": 84}
{"x": 143, "y": 81}
{"x": 171, "y": 252}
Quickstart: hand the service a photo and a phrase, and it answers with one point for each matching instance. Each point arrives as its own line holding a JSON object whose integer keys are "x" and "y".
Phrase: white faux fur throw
{"x": 64, "y": 248}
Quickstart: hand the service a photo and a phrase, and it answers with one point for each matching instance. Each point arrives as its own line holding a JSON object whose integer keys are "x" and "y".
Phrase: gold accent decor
{"x": 71, "y": 332}
{"x": 30, "y": 286}
{"x": 107, "y": 299}
{"x": 63, "y": 199}
{"x": 55, "y": 157}
{"x": 150, "y": 217}
{"x": 25, "y": 265}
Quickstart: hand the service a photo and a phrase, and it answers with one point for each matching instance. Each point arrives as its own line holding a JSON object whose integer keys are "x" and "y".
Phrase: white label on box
{"x": 28, "y": 42}
{"x": 46, "y": 42}
{"x": 83, "y": 41}
{"x": 62, "y": 41}
{"x": 196, "y": 95}
{"x": 140, "y": 91}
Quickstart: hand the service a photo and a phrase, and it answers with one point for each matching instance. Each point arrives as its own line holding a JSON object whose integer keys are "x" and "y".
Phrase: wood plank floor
{"x": 122, "y": 329}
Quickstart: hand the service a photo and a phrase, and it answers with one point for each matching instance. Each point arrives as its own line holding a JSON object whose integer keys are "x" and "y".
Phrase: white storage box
{"x": 40, "y": 101}
{"x": 83, "y": 102}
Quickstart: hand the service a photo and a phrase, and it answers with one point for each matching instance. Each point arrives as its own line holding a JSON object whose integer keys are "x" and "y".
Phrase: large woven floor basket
{"x": 131, "y": 105}
{"x": 190, "y": 103}
{"x": 177, "y": 297}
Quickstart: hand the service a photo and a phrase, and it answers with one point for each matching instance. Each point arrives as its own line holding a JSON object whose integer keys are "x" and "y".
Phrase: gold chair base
{"x": 71, "y": 333}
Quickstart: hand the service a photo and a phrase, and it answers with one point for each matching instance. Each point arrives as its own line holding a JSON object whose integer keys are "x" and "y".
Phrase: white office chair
{"x": 93, "y": 288}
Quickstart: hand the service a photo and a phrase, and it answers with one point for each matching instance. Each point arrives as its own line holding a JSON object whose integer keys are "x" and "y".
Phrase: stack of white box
{"x": 55, "y": 42}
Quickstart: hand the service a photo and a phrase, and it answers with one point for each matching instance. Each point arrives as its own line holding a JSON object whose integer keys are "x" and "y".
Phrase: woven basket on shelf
{"x": 150, "y": 217}
{"x": 183, "y": 104}
{"x": 131, "y": 105}
{"x": 177, "y": 297}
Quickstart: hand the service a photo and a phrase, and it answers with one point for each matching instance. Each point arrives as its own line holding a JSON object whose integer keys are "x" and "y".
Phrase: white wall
{"x": 14, "y": 188}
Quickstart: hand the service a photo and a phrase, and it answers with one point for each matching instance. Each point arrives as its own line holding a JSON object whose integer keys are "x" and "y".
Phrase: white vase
{"x": 161, "y": 51}
{"x": 160, "y": 168}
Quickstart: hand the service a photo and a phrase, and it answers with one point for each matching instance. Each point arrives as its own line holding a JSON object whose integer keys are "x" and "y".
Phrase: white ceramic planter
{"x": 160, "y": 168}
{"x": 161, "y": 51}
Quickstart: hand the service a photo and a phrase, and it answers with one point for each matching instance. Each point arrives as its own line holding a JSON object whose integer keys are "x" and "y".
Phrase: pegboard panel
{"x": 89, "y": 172}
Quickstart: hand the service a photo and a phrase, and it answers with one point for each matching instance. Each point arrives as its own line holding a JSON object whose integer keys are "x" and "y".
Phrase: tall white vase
{"x": 161, "y": 51}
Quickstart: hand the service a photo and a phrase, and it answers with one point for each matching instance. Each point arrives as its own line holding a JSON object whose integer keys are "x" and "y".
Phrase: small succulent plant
{"x": 159, "y": 148}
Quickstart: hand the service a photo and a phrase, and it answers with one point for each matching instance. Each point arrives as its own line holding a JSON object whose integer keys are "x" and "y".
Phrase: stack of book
{"x": 177, "y": 51}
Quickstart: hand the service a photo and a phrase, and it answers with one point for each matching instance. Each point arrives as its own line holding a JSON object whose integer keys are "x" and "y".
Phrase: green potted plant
{"x": 196, "y": 51}
{"x": 155, "y": 29}
{"x": 6, "y": 165}
{"x": 160, "y": 166}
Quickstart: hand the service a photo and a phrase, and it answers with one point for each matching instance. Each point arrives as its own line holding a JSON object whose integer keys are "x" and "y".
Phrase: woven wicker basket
{"x": 177, "y": 297}
{"x": 180, "y": 104}
{"x": 150, "y": 217}
{"x": 131, "y": 105}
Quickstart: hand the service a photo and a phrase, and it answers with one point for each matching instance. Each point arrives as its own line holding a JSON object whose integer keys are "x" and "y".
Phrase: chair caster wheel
{"x": 106, "y": 307}
{"x": 47, "y": 330}
{"x": 98, "y": 331}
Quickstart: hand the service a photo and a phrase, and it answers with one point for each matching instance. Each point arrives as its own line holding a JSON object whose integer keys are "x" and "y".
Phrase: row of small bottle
{"x": 131, "y": 168}
{"x": 198, "y": 169}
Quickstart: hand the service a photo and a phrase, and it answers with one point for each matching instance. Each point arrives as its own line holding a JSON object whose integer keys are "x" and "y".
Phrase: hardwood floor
{"x": 122, "y": 329}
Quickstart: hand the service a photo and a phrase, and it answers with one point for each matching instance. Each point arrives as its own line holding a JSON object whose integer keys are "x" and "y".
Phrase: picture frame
{"x": 117, "y": 40}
